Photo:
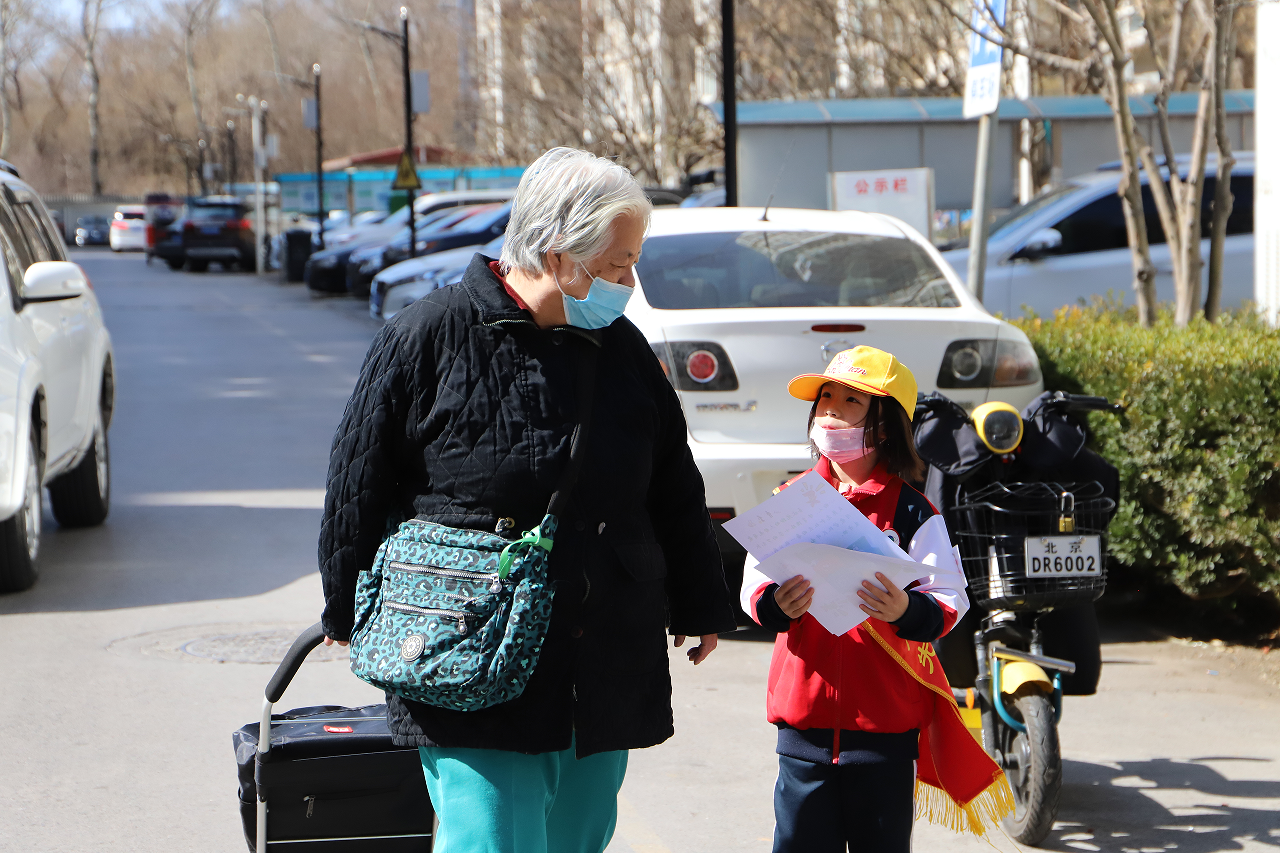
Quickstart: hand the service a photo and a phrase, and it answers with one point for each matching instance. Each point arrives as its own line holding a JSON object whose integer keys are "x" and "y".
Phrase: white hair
{"x": 567, "y": 202}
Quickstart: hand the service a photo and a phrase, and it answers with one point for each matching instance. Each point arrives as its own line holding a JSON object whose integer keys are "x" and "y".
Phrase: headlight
{"x": 999, "y": 426}
{"x": 988, "y": 364}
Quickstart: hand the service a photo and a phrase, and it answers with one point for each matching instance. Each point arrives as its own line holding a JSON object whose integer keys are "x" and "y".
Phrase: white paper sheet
{"x": 809, "y": 510}
{"x": 836, "y": 575}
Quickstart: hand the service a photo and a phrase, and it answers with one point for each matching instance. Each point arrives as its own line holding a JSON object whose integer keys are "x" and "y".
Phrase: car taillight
{"x": 190, "y": 226}
{"x": 119, "y": 223}
{"x": 151, "y": 234}
{"x": 721, "y": 514}
{"x": 702, "y": 366}
{"x": 697, "y": 365}
{"x": 243, "y": 225}
{"x": 988, "y": 364}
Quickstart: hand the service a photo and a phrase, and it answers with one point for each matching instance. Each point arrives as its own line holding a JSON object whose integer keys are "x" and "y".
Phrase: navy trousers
{"x": 828, "y": 808}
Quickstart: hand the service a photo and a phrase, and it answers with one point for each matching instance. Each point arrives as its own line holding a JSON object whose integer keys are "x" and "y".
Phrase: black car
{"x": 216, "y": 230}
{"x": 168, "y": 247}
{"x": 471, "y": 229}
{"x": 92, "y": 231}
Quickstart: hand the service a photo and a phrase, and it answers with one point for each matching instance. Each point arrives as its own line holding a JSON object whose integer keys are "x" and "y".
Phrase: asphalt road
{"x": 146, "y": 641}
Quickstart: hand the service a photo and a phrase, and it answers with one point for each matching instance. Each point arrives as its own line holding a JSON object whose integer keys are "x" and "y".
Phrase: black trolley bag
{"x": 328, "y": 779}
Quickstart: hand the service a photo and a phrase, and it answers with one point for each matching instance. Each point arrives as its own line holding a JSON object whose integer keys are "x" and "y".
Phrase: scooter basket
{"x": 992, "y": 526}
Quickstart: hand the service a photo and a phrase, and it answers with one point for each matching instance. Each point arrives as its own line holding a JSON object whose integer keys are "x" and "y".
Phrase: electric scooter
{"x": 1028, "y": 505}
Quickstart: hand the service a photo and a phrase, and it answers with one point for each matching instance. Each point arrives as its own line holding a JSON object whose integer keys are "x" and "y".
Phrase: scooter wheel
{"x": 1033, "y": 764}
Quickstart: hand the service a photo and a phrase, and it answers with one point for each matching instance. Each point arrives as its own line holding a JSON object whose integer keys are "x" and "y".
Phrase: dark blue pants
{"x": 824, "y": 808}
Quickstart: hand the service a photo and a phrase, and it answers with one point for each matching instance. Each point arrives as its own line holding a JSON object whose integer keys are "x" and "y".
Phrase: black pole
{"x": 204, "y": 187}
{"x": 408, "y": 119}
{"x": 315, "y": 69}
{"x": 729, "y": 80}
{"x": 231, "y": 152}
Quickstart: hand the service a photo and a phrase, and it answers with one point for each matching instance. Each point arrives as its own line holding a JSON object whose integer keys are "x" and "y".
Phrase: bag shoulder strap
{"x": 577, "y": 441}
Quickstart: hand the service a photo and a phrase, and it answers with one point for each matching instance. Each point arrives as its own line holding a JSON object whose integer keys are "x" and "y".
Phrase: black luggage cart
{"x": 328, "y": 779}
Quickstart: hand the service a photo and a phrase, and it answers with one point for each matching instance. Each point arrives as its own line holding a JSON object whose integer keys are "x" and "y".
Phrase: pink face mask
{"x": 840, "y": 445}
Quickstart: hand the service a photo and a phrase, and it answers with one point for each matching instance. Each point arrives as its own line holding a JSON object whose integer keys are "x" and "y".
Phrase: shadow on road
{"x": 1163, "y": 805}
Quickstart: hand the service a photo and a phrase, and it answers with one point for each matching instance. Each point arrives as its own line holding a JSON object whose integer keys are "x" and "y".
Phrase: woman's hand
{"x": 794, "y": 597}
{"x": 706, "y": 645}
{"x": 887, "y": 604}
{"x": 329, "y": 641}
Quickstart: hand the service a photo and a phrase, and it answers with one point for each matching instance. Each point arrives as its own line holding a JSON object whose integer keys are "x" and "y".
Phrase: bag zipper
{"x": 443, "y": 572}
{"x": 455, "y": 615}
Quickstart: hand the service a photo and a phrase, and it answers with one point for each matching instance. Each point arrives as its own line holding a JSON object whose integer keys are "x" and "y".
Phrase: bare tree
{"x": 194, "y": 15}
{"x": 90, "y": 18}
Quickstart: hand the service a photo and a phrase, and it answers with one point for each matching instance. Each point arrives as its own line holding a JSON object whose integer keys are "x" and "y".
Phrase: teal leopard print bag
{"x": 456, "y": 618}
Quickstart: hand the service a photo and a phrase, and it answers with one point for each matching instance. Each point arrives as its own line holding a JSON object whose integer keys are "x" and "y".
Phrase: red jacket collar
{"x": 873, "y": 485}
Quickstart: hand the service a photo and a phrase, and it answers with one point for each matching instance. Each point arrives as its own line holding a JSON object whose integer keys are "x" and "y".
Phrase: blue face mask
{"x": 605, "y": 303}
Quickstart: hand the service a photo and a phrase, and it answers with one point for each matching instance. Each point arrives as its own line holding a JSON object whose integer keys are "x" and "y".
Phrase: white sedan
{"x": 735, "y": 302}
{"x": 57, "y": 387}
{"x": 129, "y": 228}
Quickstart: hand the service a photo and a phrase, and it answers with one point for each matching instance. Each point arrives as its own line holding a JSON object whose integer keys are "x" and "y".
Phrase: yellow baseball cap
{"x": 867, "y": 369}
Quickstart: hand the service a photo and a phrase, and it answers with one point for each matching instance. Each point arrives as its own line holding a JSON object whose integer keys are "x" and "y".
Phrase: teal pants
{"x": 491, "y": 801}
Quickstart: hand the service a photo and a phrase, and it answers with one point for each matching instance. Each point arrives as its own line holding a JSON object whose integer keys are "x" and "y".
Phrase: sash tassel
{"x": 980, "y": 814}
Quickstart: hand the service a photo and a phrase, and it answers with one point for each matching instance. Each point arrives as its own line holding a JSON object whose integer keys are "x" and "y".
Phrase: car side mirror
{"x": 51, "y": 281}
{"x": 1045, "y": 241}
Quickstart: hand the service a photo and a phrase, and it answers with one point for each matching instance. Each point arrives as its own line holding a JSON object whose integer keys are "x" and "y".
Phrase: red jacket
{"x": 821, "y": 681}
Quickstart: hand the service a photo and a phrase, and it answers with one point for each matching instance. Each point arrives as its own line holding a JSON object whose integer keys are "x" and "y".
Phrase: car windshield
{"x": 769, "y": 269}
{"x": 215, "y": 213}
{"x": 128, "y": 214}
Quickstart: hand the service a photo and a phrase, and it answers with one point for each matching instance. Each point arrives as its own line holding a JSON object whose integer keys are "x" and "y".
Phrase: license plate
{"x": 1064, "y": 556}
{"x": 211, "y": 229}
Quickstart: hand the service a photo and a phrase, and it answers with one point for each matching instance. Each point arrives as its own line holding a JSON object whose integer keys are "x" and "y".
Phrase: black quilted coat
{"x": 462, "y": 416}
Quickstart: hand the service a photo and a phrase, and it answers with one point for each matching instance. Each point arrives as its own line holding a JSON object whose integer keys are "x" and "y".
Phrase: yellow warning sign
{"x": 406, "y": 175}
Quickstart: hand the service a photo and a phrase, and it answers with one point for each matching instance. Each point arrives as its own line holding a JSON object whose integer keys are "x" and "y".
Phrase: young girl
{"x": 855, "y": 713}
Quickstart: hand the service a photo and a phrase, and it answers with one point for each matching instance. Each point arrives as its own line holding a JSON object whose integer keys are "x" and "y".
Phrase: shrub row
{"x": 1197, "y": 447}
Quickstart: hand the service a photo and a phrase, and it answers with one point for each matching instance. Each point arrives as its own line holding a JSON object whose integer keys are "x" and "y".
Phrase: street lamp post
{"x": 320, "y": 205}
{"x": 729, "y": 81}
{"x": 259, "y": 109}
{"x": 231, "y": 155}
{"x": 408, "y": 118}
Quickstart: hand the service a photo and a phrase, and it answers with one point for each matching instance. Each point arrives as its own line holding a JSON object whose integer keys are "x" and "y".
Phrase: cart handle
{"x": 293, "y": 659}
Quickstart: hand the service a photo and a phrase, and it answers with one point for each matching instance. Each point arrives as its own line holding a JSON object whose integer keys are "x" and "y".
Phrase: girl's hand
{"x": 887, "y": 604}
{"x": 795, "y": 596}
{"x": 329, "y": 641}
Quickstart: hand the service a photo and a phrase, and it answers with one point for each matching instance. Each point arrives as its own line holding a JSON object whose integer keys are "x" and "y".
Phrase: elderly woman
{"x": 462, "y": 416}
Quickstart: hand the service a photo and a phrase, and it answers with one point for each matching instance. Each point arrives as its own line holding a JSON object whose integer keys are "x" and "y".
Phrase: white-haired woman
{"x": 462, "y": 416}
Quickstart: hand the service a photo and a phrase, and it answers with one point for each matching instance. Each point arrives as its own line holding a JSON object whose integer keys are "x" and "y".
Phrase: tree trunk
{"x": 6, "y": 119}
{"x": 1189, "y": 264}
{"x": 1130, "y": 190}
{"x": 1223, "y": 200}
{"x": 89, "y": 23}
{"x": 189, "y": 50}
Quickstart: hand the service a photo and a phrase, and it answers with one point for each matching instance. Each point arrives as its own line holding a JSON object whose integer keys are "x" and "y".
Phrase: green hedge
{"x": 1197, "y": 447}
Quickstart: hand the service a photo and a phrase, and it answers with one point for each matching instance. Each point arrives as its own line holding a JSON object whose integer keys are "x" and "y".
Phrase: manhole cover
{"x": 224, "y": 643}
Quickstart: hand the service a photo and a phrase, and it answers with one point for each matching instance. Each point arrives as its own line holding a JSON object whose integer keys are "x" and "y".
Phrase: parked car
{"x": 473, "y": 226}
{"x": 401, "y": 285}
{"x": 326, "y": 270}
{"x": 734, "y": 305}
{"x": 422, "y": 206}
{"x": 129, "y": 228}
{"x": 1069, "y": 244}
{"x": 91, "y": 231}
{"x": 168, "y": 244}
{"x": 56, "y": 383}
{"x": 713, "y": 197}
{"x": 216, "y": 230}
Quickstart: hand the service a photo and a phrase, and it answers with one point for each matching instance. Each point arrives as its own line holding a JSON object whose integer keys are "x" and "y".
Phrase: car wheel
{"x": 20, "y": 535}
{"x": 197, "y": 266}
{"x": 82, "y": 496}
{"x": 174, "y": 263}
